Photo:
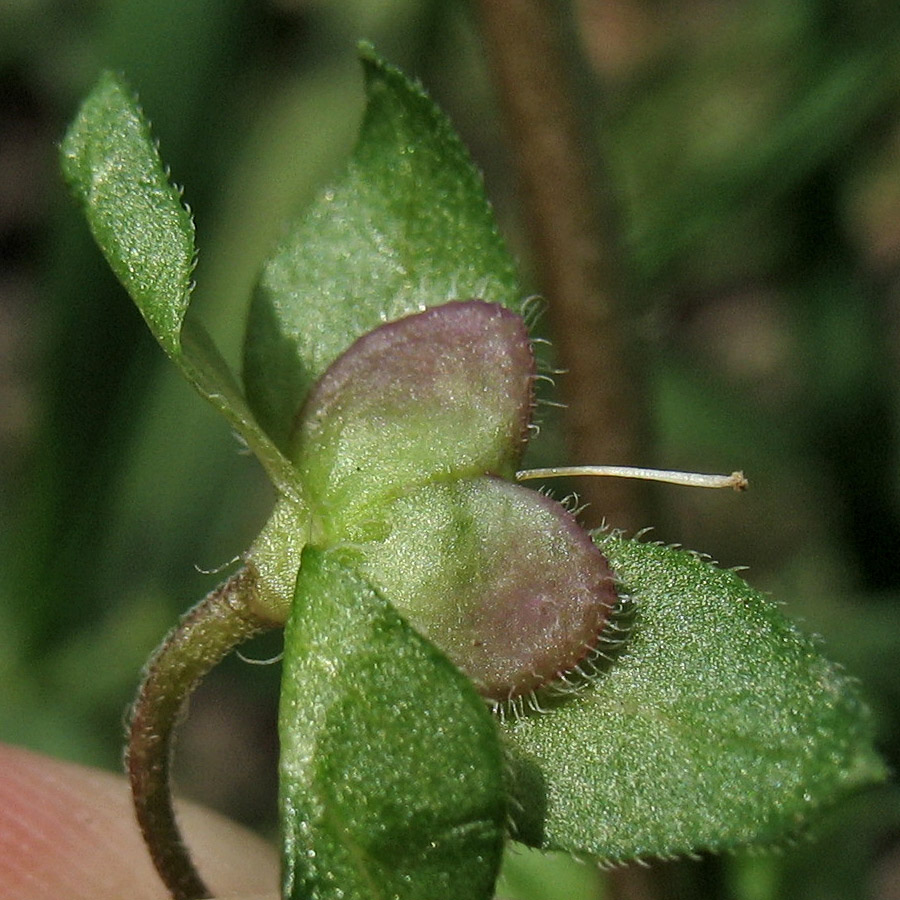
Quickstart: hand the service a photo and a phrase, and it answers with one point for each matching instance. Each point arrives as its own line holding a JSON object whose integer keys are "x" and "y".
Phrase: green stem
{"x": 204, "y": 636}
{"x": 573, "y": 243}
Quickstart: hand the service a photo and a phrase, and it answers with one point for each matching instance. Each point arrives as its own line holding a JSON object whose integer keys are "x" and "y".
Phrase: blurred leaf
{"x": 391, "y": 771}
{"x": 719, "y": 725}
{"x": 408, "y": 227}
{"x": 739, "y": 127}
{"x": 530, "y": 875}
{"x": 843, "y": 862}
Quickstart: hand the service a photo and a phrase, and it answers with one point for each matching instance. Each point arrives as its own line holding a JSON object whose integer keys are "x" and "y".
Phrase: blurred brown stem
{"x": 573, "y": 246}
{"x": 574, "y": 249}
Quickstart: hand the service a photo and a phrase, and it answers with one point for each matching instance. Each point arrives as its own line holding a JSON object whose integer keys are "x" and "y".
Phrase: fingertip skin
{"x": 68, "y": 831}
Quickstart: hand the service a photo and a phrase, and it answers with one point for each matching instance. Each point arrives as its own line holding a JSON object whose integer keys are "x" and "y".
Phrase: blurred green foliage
{"x": 752, "y": 150}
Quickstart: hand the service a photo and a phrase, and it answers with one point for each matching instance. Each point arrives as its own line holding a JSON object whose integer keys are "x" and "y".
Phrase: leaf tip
{"x": 137, "y": 217}
{"x": 379, "y": 73}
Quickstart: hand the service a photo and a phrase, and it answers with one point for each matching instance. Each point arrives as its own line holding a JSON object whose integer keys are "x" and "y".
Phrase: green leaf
{"x": 391, "y": 769}
{"x": 135, "y": 214}
{"x": 719, "y": 725}
{"x": 408, "y": 227}
{"x": 147, "y": 236}
{"x": 443, "y": 393}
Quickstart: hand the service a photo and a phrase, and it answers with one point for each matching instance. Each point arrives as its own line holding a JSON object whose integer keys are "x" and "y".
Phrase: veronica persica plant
{"x": 463, "y": 663}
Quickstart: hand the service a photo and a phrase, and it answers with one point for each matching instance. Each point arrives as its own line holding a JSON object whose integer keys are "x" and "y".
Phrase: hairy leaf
{"x": 408, "y": 227}
{"x": 391, "y": 770}
{"x": 135, "y": 215}
{"x": 147, "y": 236}
{"x": 720, "y": 724}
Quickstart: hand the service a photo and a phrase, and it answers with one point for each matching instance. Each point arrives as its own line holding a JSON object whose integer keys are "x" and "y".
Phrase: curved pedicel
{"x": 203, "y": 637}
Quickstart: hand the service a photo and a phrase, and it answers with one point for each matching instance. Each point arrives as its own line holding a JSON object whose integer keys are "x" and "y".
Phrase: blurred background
{"x": 751, "y": 151}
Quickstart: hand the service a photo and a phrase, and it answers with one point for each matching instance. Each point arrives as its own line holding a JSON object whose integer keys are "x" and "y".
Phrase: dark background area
{"x": 752, "y": 154}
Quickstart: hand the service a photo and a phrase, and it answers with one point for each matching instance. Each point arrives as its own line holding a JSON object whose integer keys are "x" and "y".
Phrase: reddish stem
{"x": 203, "y": 637}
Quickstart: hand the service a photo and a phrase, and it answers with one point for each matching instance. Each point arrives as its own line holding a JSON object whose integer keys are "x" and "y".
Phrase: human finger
{"x": 68, "y": 832}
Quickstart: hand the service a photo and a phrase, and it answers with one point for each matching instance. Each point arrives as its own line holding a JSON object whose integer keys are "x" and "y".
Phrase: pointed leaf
{"x": 443, "y": 393}
{"x": 407, "y": 227}
{"x": 391, "y": 770}
{"x": 501, "y": 578}
{"x": 147, "y": 236}
{"x": 135, "y": 215}
{"x": 719, "y": 725}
